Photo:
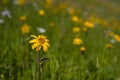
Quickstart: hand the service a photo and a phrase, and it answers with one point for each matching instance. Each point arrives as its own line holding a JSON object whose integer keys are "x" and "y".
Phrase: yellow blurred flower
{"x": 41, "y": 12}
{"x": 75, "y": 19}
{"x": 40, "y": 42}
{"x": 117, "y": 37}
{"x": 109, "y": 46}
{"x": 88, "y": 24}
{"x": 23, "y": 18}
{"x": 21, "y": 2}
{"x": 76, "y": 29}
{"x": 48, "y": 4}
{"x": 77, "y": 41}
{"x": 48, "y": 1}
{"x": 25, "y": 29}
{"x": 82, "y": 49}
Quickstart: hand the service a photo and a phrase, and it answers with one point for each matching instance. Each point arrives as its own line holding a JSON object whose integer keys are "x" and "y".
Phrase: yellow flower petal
{"x": 34, "y": 46}
{"x": 32, "y": 41}
{"x": 33, "y": 36}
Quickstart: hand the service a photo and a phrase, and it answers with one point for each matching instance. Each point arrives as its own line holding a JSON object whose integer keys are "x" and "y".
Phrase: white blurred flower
{"x": 1, "y": 21}
{"x": 112, "y": 41}
{"x": 6, "y": 13}
{"x": 41, "y": 30}
{"x": 15, "y": 2}
{"x": 36, "y": 6}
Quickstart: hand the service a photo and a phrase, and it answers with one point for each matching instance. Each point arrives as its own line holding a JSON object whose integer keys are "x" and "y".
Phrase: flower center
{"x": 41, "y": 40}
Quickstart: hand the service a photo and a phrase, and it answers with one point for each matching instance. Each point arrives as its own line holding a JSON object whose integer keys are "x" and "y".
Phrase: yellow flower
{"x": 77, "y": 41}
{"x": 21, "y": 2}
{"x": 25, "y": 29}
{"x": 39, "y": 42}
{"x": 117, "y": 37}
{"x": 75, "y": 19}
{"x": 41, "y": 12}
{"x": 82, "y": 49}
{"x": 111, "y": 33}
{"x": 109, "y": 46}
{"x": 49, "y": 1}
{"x": 23, "y": 18}
{"x": 76, "y": 29}
{"x": 88, "y": 24}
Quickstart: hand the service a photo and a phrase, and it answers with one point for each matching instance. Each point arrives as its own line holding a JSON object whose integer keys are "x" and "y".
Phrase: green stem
{"x": 39, "y": 74}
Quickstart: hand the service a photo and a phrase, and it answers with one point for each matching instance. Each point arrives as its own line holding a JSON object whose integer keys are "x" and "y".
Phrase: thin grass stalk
{"x": 39, "y": 73}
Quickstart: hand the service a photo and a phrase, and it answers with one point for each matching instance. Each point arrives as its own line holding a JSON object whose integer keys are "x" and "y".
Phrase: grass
{"x": 19, "y": 62}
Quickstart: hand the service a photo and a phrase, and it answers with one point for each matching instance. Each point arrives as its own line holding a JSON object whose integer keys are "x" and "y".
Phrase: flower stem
{"x": 39, "y": 74}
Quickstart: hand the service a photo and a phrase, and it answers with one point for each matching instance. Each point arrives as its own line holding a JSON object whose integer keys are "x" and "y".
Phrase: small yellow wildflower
{"x": 39, "y": 42}
{"x": 77, "y": 41}
{"x": 75, "y": 19}
{"x": 82, "y": 49}
{"x": 76, "y": 29}
{"x": 23, "y": 18}
{"x": 49, "y": 1}
{"x": 117, "y": 37}
{"x": 25, "y": 29}
{"x": 41, "y": 12}
{"x": 109, "y": 46}
{"x": 21, "y": 2}
{"x": 88, "y": 24}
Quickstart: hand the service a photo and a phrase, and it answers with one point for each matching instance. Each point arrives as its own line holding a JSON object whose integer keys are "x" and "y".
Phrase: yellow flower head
{"x": 21, "y": 2}
{"x": 23, "y": 18}
{"x": 39, "y": 42}
{"x": 109, "y": 46}
{"x": 25, "y": 29}
{"x": 77, "y": 41}
{"x": 88, "y": 24}
{"x": 117, "y": 37}
{"x": 41, "y": 12}
{"x": 76, "y": 29}
{"x": 82, "y": 49}
{"x": 4, "y": 1}
{"x": 75, "y": 19}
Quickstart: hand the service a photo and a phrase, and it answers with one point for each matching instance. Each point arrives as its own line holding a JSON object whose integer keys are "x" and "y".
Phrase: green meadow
{"x": 84, "y": 38}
